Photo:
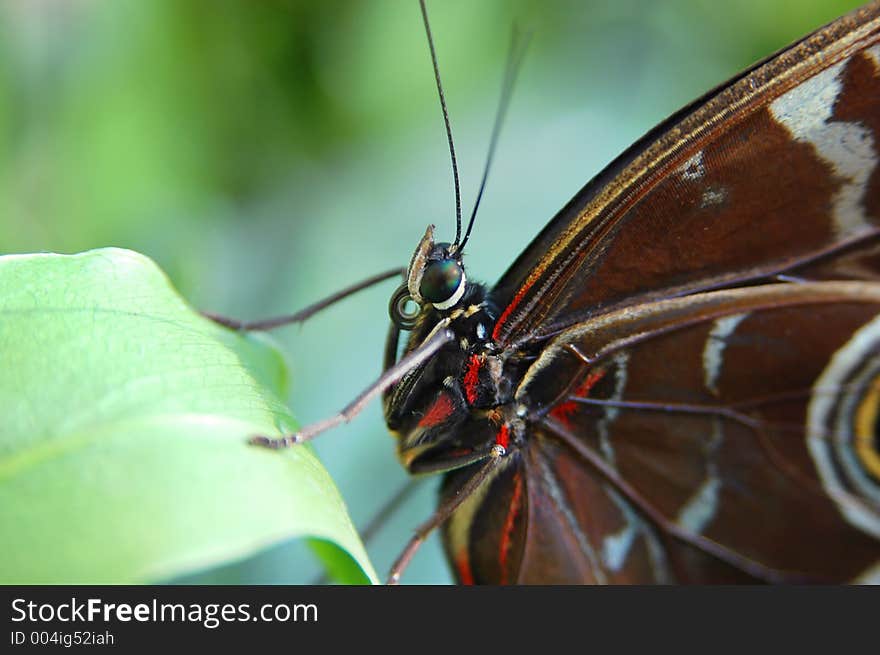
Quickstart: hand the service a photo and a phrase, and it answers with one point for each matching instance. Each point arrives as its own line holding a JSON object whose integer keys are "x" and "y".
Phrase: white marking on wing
{"x": 713, "y": 352}
{"x": 713, "y": 196}
{"x": 701, "y": 508}
{"x": 829, "y": 432}
{"x": 616, "y": 547}
{"x": 693, "y": 168}
{"x": 610, "y": 414}
{"x": 847, "y": 147}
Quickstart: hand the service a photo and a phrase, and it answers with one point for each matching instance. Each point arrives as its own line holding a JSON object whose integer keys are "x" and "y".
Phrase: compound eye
{"x": 442, "y": 283}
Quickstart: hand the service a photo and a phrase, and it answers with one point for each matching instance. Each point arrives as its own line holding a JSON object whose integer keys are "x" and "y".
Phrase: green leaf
{"x": 125, "y": 417}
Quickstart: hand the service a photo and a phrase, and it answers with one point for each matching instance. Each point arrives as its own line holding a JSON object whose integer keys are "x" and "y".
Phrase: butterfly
{"x": 678, "y": 380}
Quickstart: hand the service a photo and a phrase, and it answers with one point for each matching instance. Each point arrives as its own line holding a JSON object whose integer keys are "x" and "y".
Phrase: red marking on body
{"x": 510, "y": 521}
{"x": 564, "y": 411}
{"x": 503, "y": 437}
{"x": 517, "y": 299}
{"x": 471, "y": 378}
{"x": 463, "y": 566}
{"x": 439, "y": 411}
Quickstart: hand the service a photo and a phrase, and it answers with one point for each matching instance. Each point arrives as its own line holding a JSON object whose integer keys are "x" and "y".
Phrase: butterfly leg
{"x": 307, "y": 312}
{"x": 438, "y": 339}
{"x": 438, "y": 518}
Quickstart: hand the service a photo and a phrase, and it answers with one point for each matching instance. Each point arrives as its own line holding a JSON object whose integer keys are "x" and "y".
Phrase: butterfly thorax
{"x": 452, "y": 409}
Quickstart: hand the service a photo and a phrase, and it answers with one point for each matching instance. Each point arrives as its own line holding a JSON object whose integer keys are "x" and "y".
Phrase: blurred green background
{"x": 267, "y": 153}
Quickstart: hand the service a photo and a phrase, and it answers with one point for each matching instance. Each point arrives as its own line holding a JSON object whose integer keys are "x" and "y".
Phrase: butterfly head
{"x": 435, "y": 278}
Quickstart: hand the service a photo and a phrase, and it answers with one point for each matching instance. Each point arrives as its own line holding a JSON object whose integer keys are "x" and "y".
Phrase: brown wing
{"x": 774, "y": 173}
{"x": 547, "y": 519}
{"x": 708, "y": 437}
{"x": 726, "y": 436}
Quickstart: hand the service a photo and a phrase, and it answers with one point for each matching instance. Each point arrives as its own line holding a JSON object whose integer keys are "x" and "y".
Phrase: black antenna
{"x": 514, "y": 59}
{"x": 446, "y": 121}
